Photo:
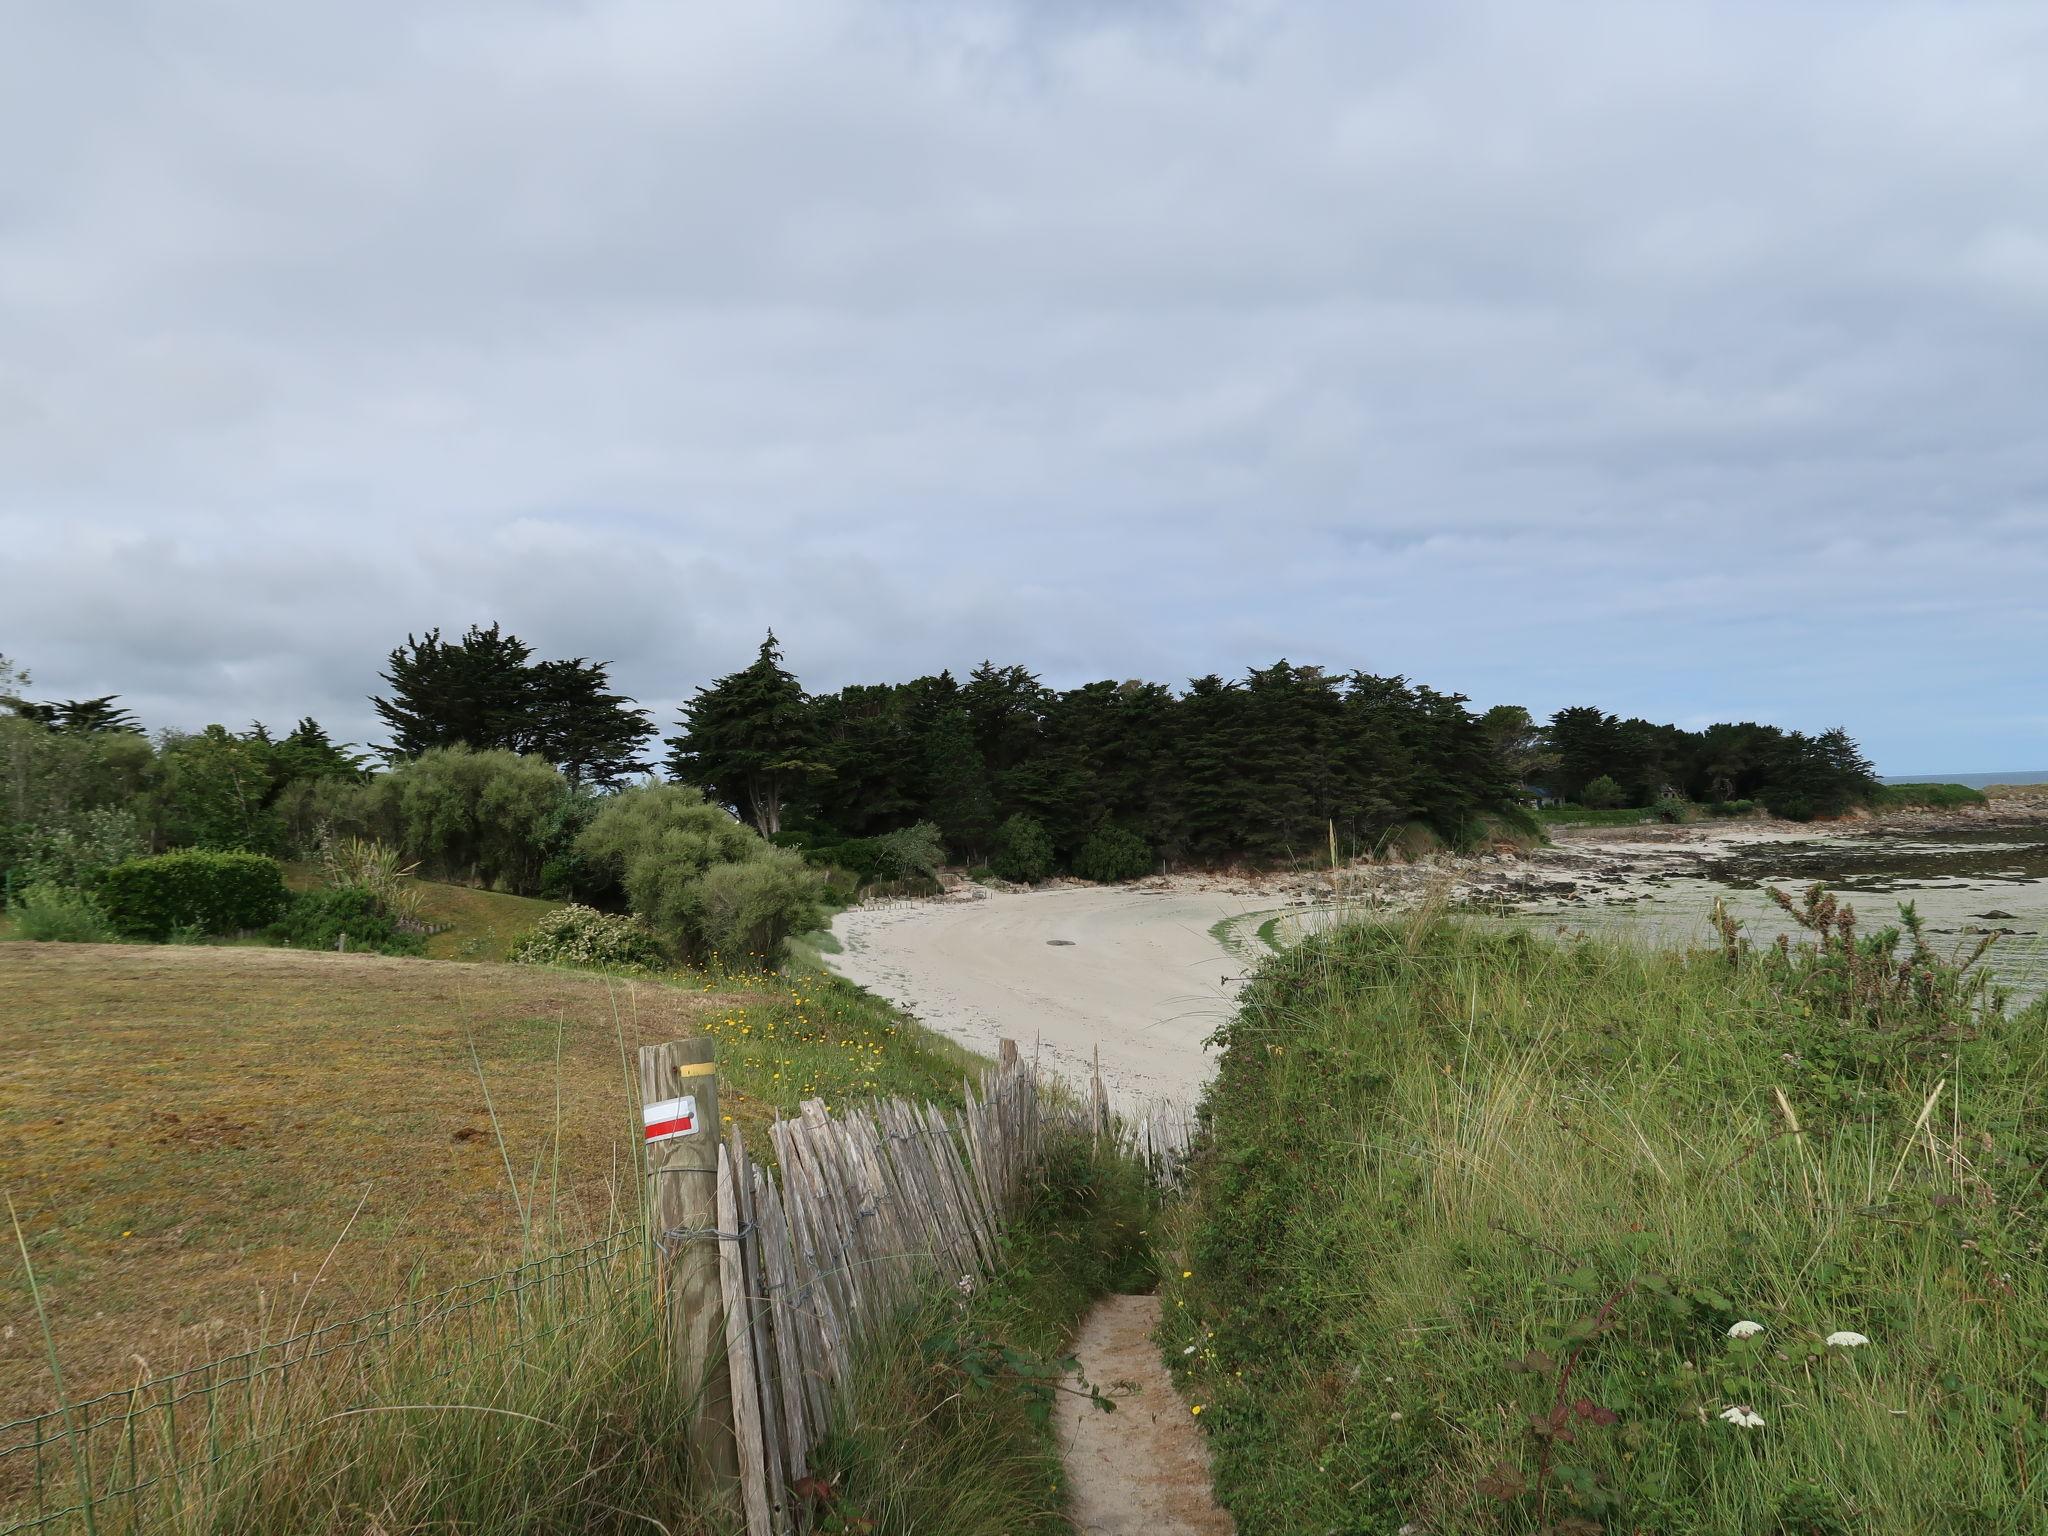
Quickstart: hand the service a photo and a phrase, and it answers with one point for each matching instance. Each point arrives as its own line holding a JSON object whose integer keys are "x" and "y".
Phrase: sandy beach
{"x": 1134, "y": 971}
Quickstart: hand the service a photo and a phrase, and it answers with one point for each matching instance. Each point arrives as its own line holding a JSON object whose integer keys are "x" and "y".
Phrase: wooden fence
{"x": 773, "y": 1278}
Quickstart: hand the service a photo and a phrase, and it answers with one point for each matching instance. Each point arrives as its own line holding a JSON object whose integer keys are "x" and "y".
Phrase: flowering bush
{"x": 575, "y": 935}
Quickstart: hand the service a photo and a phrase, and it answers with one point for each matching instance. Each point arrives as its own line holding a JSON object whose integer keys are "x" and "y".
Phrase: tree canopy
{"x": 486, "y": 692}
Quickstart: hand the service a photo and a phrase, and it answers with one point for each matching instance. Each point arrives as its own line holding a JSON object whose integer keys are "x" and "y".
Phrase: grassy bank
{"x": 1481, "y": 1216}
{"x": 1932, "y": 797}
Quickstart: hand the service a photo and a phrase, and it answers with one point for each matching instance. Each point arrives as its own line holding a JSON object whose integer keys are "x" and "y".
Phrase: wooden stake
{"x": 682, "y": 1173}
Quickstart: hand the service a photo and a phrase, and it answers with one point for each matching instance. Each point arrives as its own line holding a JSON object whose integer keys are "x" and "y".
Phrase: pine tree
{"x": 472, "y": 691}
{"x": 956, "y": 784}
{"x": 749, "y": 740}
{"x": 576, "y": 722}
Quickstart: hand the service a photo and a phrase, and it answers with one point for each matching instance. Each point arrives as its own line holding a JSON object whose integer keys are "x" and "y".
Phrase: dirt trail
{"x": 1142, "y": 1470}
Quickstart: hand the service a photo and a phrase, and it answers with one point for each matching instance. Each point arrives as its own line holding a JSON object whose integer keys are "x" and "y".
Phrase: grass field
{"x": 186, "y": 1131}
{"x": 1481, "y": 1214}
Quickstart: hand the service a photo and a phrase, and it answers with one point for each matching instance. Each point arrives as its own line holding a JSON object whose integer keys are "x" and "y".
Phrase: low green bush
{"x": 1604, "y": 794}
{"x": 905, "y": 854}
{"x": 1023, "y": 850}
{"x": 55, "y": 914}
{"x": 575, "y": 935}
{"x": 211, "y": 892}
{"x": 1112, "y": 854}
{"x": 343, "y": 917}
{"x": 743, "y": 912}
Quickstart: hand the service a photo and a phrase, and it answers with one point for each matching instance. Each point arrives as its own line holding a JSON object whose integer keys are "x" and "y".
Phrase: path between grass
{"x": 1142, "y": 1470}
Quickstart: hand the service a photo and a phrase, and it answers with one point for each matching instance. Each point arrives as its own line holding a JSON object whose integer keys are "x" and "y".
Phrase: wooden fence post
{"x": 679, "y": 1099}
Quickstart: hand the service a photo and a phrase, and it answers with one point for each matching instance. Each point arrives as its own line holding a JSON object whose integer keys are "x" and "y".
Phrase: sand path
{"x": 1142, "y": 1470}
{"x": 1134, "y": 972}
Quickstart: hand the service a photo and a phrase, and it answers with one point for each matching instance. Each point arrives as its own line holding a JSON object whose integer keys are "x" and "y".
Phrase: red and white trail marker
{"x": 671, "y": 1118}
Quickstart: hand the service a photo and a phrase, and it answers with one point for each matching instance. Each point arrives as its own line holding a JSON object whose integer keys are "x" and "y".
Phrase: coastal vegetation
{"x": 1496, "y": 1234}
{"x": 532, "y": 778}
{"x": 486, "y": 1123}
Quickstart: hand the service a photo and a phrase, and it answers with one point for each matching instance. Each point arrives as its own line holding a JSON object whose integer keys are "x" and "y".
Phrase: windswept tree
{"x": 470, "y": 692}
{"x": 749, "y": 740}
{"x": 595, "y": 736}
{"x": 485, "y": 692}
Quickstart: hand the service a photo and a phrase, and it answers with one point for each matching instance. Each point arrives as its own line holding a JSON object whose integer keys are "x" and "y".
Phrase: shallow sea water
{"x": 1962, "y": 883}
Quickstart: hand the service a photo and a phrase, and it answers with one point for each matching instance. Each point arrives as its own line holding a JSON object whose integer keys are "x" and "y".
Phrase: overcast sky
{"x": 1691, "y": 360}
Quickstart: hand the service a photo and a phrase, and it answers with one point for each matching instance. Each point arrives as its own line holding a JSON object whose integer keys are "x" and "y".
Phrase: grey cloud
{"x": 1686, "y": 359}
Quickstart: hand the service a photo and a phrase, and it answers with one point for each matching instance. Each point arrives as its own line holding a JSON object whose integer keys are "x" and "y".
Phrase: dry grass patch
{"x": 187, "y": 1132}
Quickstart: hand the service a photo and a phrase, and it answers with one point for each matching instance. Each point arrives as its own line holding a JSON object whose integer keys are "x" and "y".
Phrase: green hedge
{"x": 210, "y": 892}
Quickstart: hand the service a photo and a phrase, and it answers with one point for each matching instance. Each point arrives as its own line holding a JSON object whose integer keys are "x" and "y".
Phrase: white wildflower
{"x": 1742, "y": 1417}
{"x": 1846, "y": 1340}
{"x": 1745, "y": 1330}
{"x": 1189, "y": 1350}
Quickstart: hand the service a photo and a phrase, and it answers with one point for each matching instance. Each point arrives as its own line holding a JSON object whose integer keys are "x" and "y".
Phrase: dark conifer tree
{"x": 471, "y": 691}
{"x": 748, "y": 740}
{"x": 575, "y": 721}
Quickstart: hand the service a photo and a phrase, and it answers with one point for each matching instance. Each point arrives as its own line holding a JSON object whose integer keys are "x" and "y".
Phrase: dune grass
{"x": 1933, "y": 797}
{"x": 1479, "y": 1213}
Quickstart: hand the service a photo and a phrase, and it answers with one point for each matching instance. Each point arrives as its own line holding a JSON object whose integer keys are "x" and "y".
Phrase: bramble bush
{"x": 1112, "y": 854}
{"x": 577, "y": 935}
{"x": 206, "y": 892}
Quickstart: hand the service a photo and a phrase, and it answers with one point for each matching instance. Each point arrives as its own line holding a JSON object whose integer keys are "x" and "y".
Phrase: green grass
{"x": 1933, "y": 797}
{"x": 1586, "y": 816}
{"x": 1478, "y": 1212}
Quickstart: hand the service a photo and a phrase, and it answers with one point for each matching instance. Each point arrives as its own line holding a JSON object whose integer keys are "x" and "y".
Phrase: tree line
{"x": 497, "y": 761}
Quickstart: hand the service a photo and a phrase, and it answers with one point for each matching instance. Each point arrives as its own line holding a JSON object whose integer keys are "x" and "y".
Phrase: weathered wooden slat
{"x": 739, "y": 1354}
{"x": 767, "y": 1366}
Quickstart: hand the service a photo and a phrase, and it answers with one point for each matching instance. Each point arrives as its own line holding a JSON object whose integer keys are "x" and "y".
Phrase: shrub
{"x": 53, "y": 914}
{"x": 362, "y": 864}
{"x": 747, "y": 910}
{"x": 1023, "y": 851}
{"x": 78, "y": 851}
{"x": 655, "y": 841}
{"x": 673, "y": 853}
{"x": 1673, "y": 809}
{"x": 1603, "y": 794}
{"x": 346, "y": 916}
{"x": 913, "y": 850}
{"x": 210, "y": 892}
{"x": 489, "y": 818}
{"x": 575, "y": 935}
{"x": 908, "y": 853}
{"x": 1112, "y": 854}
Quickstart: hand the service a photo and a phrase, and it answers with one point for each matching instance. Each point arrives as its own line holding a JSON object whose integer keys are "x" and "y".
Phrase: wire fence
{"x": 109, "y": 1449}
